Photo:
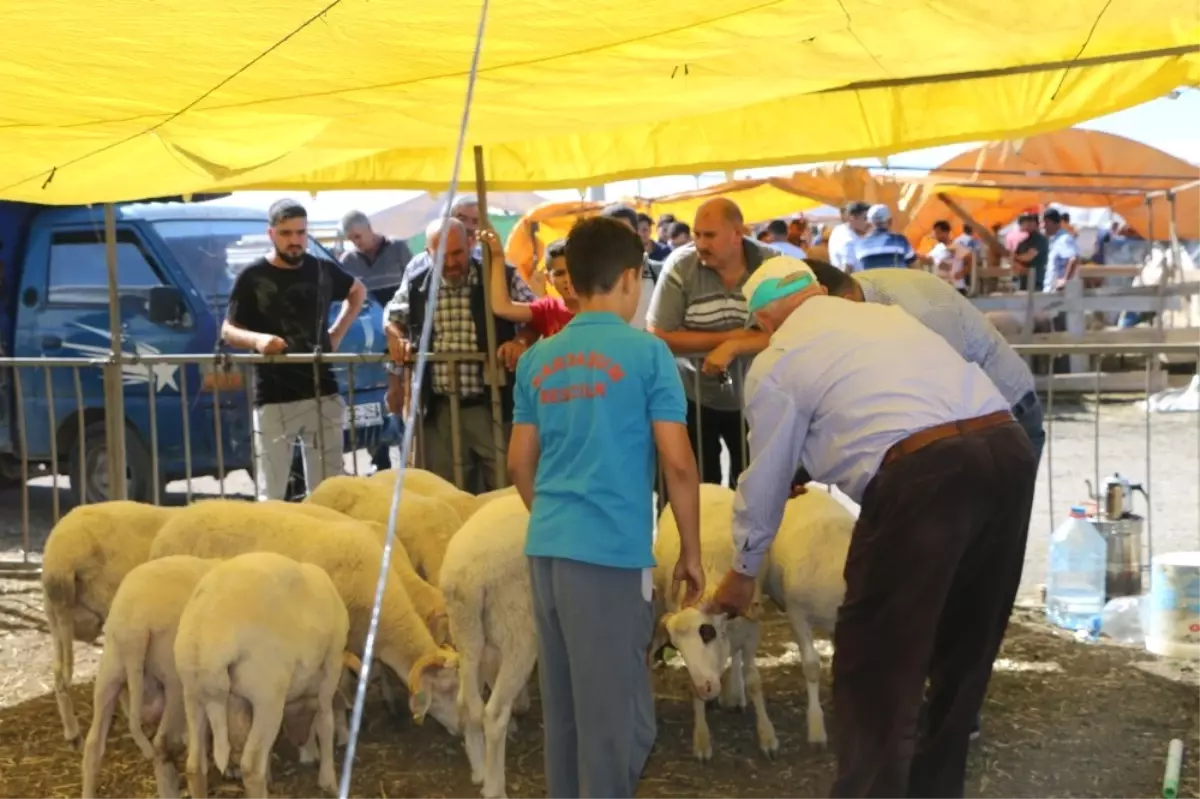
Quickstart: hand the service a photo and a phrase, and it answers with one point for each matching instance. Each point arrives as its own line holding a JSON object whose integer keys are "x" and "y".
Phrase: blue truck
{"x": 176, "y": 266}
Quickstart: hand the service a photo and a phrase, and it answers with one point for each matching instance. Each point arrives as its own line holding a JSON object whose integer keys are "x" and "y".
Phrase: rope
{"x": 439, "y": 261}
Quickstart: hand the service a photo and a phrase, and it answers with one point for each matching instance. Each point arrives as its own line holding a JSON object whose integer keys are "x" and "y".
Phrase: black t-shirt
{"x": 292, "y": 303}
{"x": 1037, "y": 266}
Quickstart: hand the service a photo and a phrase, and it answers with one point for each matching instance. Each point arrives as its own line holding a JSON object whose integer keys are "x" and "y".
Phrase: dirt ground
{"x": 1062, "y": 718}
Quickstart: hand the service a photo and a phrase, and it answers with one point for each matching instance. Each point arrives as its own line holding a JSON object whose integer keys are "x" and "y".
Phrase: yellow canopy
{"x": 124, "y": 99}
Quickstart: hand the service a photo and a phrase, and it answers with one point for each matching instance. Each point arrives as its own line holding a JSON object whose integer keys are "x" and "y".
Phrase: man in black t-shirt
{"x": 280, "y": 304}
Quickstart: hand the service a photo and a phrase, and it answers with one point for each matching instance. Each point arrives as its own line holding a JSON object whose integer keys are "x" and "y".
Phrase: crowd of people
{"x": 883, "y": 381}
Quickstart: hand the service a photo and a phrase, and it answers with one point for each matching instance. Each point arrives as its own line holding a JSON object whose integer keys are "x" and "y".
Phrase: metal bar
{"x": 23, "y": 443}
{"x": 248, "y": 384}
{"x": 50, "y": 416}
{"x": 354, "y": 420}
{"x": 1154, "y": 195}
{"x": 114, "y": 388}
{"x": 220, "y": 444}
{"x": 154, "y": 472}
{"x": 494, "y": 372}
{"x": 80, "y": 417}
{"x": 1149, "y": 546}
{"x": 1050, "y": 442}
{"x": 456, "y": 459}
{"x": 1096, "y": 440}
{"x": 934, "y": 170}
{"x": 187, "y": 430}
{"x": 699, "y": 426}
{"x": 319, "y": 438}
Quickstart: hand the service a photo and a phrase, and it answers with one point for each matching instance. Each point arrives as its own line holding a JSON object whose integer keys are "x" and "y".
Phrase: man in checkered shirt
{"x": 458, "y": 328}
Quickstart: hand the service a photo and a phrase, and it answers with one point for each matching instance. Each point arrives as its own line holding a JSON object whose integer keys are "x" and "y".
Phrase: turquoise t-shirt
{"x": 594, "y": 391}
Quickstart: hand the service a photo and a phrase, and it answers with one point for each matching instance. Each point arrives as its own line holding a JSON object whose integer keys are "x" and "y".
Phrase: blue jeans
{"x": 390, "y": 435}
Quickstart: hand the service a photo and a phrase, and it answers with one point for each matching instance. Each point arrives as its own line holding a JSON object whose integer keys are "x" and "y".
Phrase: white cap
{"x": 879, "y": 215}
{"x": 775, "y": 278}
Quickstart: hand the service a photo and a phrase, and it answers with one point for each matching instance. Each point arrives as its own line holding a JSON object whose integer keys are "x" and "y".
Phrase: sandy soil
{"x": 1062, "y": 719}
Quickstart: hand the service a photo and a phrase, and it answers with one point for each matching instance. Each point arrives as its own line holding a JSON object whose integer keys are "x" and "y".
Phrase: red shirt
{"x": 550, "y": 315}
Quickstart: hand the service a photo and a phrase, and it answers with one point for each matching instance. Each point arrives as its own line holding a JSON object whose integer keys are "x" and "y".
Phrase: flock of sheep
{"x": 226, "y": 623}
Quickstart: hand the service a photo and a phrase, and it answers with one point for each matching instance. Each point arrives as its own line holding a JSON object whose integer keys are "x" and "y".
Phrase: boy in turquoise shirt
{"x": 593, "y": 405}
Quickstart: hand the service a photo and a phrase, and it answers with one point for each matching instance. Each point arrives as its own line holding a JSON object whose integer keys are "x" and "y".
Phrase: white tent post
{"x": 114, "y": 389}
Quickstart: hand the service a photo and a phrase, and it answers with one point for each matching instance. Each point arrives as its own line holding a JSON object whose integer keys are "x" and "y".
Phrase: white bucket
{"x": 1175, "y": 605}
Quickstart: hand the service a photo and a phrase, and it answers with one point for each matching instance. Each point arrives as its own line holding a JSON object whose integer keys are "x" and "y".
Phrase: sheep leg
{"x": 388, "y": 690}
{"x": 733, "y": 688}
{"x": 811, "y": 664}
{"x": 267, "y": 718}
{"x": 522, "y": 703}
{"x": 767, "y": 741}
{"x": 701, "y": 739}
{"x": 62, "y": 638}
{"x": 197, "y": 756}
{"x": 324, "y": 725}
{"x": 108, "y": 686}
{"x": 166, "y": 776}
{"x": 516, "y": 666}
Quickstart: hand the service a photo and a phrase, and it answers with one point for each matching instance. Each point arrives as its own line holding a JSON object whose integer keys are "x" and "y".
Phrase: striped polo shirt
{"x": 689, "y": 296}
{"x": 882, "y": 248}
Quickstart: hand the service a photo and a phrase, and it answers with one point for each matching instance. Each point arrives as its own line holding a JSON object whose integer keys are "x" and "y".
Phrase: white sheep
{"x": 804, "y": 578}
{"x": 485, "y": 578}
{"x": 270, "y": 632}
{"x": 87, "y": 555}
{"x": 352, "y": 557}
{"x": 708, "y": 641}
{"x": 428, "y": 484}
{"x": 426, "y": 598}
{"x": 423, "y": 524}
{"x": 139, "y": 636}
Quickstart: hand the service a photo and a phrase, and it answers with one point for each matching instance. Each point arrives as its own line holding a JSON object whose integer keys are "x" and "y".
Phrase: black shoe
{"x": 974, "y": 736}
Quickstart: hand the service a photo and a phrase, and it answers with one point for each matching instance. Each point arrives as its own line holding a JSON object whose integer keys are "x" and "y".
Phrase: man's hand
{"x": 796, "y": 490}
{"x": 399, "y": 348}
{"x": 735, "y": 594}
{"x": 717, "y": 362}
{"x": 688, "y": 570}
{"x": 335, "y": 338}
{"x": 510, "y": 352}
{"x": 537, "y": 282}
{"x": 270, "y": 345}
{"x": 490, "y": 239}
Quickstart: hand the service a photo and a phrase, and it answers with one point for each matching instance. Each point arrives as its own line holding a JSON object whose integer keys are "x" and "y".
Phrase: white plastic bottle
{"x": 1076, "y": 582}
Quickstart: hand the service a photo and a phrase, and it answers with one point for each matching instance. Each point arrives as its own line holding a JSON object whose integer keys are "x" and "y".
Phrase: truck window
{"x": 79, "y": 268}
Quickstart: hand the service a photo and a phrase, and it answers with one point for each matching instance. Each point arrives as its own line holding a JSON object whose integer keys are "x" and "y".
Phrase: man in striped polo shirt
{"x": 698, "y": 308}
{"x": 881, "y": 248}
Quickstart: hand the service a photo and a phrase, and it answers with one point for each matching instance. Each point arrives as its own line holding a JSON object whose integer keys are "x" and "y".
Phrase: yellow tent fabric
{"x": 760, "y": 200}
{"x": 124, "y": 99}
{"x": 1103, "y": 170}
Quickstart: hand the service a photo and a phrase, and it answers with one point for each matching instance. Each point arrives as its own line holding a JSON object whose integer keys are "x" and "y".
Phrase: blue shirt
{"x": 1062, "y": 249}
{"x": 594, "y": 391}
{"x": 880, "y": 249}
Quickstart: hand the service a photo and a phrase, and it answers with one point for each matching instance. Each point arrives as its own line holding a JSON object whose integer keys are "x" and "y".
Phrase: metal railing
{"x": 203, "y": 428}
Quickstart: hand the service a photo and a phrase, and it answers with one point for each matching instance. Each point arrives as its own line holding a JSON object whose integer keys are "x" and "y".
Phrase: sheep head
{"x": 433, "y": 689}
{"x": 702, "y": 640}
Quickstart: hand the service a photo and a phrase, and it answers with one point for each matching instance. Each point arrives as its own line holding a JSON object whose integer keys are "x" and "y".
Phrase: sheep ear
{"x": 351, "y": 661}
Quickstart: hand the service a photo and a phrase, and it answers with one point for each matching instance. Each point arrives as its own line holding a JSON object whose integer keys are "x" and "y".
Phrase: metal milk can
{"x": 1123, "y": 531}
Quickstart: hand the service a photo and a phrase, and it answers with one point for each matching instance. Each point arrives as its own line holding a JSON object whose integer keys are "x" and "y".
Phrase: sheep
{"x": 271, "y": 632}
{"x": 485, "y": 578}
{"x": 426, "y": 598}
{"x": 804, "y": 578}
{"x": 423, "y": 524}
{"x": 139, "y": 636}
{"x": 707, "y": 640}
{"x": 352, "y": 557}
{"x": 428, "y": 484}
{"x": 87, "y": 555}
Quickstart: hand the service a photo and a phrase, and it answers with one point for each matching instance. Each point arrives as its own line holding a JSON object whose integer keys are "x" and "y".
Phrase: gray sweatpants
{"x": 594, "y": 629}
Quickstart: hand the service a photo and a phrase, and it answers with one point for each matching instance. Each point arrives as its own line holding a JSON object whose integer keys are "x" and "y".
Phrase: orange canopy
{"x": 760, "y": 200}
{"x": 1071, "y": 167}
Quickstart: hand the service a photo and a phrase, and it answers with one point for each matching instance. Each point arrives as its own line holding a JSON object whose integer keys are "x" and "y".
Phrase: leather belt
{"x": 923, "y": 438}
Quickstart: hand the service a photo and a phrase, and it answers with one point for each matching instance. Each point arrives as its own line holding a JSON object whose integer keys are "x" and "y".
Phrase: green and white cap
{"x": 774, "y": 279}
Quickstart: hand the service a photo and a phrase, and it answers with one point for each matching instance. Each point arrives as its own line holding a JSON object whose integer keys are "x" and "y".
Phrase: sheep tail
{"x": 135, "y": 666}
{"x": 216, "y": 708}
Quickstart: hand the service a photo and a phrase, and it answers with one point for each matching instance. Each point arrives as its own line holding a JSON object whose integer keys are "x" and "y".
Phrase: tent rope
{"x": 411, "y": 420}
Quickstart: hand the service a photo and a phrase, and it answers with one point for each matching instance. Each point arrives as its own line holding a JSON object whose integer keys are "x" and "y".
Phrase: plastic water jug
{"x": 1075, "y": 585}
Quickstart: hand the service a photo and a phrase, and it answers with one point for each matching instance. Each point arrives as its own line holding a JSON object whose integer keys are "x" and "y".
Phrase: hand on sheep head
{"x": 735, "y": 594}
{"x": 688, "y": 571}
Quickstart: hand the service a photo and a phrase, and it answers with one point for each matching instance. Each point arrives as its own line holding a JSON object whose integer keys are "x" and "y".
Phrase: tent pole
{"x": 114, "y": 390}
{"x": 494, "y": 373}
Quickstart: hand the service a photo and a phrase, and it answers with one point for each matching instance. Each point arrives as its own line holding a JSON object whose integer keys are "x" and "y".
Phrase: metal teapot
{"x": 1116, "y": 498}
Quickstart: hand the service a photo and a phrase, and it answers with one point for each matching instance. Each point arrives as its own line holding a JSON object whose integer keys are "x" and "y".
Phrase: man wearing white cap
{"x": 867, "y": 398}
{"x": 881, "y": 248}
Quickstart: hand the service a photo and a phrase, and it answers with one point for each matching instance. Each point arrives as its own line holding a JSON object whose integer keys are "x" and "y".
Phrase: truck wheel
{"x": 89, "y": 480}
